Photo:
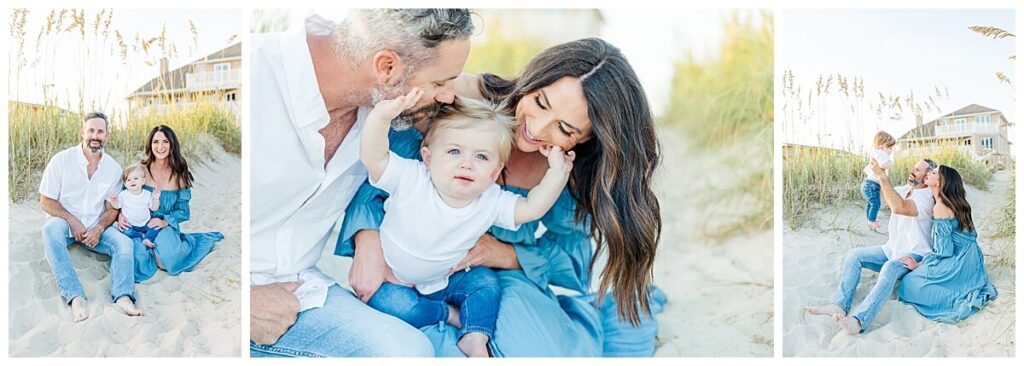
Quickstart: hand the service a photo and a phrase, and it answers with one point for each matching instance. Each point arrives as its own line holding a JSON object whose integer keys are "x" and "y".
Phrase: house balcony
{"x": 177, "y": 106}
{"x": 213, "y": 80}
{"x": 963, "y": 129}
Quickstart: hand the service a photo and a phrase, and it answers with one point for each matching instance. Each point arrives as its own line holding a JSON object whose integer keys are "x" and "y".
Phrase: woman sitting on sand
{"x": 950, "y": 284}
{"x": 167, "y": 172}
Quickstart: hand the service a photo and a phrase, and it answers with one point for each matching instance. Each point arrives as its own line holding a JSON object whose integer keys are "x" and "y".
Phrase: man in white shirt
{"x": 73, "y": 193}
{"x": 313, "y": 90}
{"x": 909, "y": 237}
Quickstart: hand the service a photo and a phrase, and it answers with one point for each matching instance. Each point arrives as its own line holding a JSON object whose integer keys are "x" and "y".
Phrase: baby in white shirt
{"x": 438, "y": 209}
{"x": 882, "y": 153}
{"x": 135, "y": 204}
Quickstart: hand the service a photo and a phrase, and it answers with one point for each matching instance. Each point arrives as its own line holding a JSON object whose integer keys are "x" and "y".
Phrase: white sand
{"x": 811, "y": 261}
{"x": 193, "y": 314}
{"x": 719, "y": 295}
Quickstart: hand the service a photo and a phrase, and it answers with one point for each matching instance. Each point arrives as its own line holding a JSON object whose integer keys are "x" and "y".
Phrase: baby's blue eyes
{"x": 457, "y": 152}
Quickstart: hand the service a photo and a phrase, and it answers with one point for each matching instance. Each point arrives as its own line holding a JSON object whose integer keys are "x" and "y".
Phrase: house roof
{"x": 175, "y": 79}
{"x": 928, "y": 129}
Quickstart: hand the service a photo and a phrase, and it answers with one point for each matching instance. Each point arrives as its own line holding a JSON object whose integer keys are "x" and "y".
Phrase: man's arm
{"x": 898, "y": 204}
{"x": 55, "y": 209}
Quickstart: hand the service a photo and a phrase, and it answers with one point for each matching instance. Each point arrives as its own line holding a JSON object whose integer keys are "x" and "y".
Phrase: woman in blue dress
{"x": 949, "y": 284}
{"x": 167, "y": 171}
{"x": 582, "y": 96}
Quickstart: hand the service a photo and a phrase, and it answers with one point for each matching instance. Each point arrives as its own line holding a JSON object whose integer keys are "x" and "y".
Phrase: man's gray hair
{"x": 411, "y": 33}
{"x": 931, "y": 165}
{"x": 100, "y": 115}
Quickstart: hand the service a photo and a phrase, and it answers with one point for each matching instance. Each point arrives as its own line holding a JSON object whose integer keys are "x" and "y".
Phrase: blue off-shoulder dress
{"x": 951, "y": 283}
{"x": 178, "y": 252}
{"x": 532, "y": 319}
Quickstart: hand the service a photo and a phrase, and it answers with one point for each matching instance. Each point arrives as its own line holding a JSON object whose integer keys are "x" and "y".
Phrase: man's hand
{"x": 78, "y": 230}
{"x": 92, "y": 237}
{"x": 877, "y": 169}
{"x": 273, "y": 309}
{"x": 368, "y": 269}
{"x": 122, "y": 222}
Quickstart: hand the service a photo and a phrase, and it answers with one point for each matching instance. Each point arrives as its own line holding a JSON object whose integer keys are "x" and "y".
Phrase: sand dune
{"x": 811, "y": 260}
{"x": 194, "y": 314}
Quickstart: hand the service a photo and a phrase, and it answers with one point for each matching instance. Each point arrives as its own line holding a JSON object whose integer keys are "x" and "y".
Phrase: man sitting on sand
{"x": 73, "y": 192}
{"x": 910, "y": 226}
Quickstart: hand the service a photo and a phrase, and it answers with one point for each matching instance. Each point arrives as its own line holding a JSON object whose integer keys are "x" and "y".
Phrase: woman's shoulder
{"x": 941, "y": 212}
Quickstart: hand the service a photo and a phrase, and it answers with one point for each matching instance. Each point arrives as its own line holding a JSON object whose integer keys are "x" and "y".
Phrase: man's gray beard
{"x": 93, "y": 149}
{"x": 404, "y": 120}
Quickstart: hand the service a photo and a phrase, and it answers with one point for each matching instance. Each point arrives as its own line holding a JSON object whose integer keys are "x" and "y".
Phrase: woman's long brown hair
{"x": 612, "y": 175}
{"x": 179, "y": 167}
{"x": 953, "y": 195}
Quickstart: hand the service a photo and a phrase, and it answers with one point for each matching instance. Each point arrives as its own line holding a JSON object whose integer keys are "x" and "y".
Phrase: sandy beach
{"x": 719, "y": 294}
{"x": 193, "y": 314}
{"x": 812, "y": 256}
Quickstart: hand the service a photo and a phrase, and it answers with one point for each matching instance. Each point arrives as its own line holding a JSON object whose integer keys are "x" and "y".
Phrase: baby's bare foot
{"x": 474, "y": 344}
{"x": 79, "y": 309}
{"x": 127, "y": 306}
{"x": 148, "y": 244}
{"x": 453, "y": 316}
{"x": 827, "y": 309}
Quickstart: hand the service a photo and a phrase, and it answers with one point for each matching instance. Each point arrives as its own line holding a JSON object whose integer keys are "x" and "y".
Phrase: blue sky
{"x": 895, "y": 52}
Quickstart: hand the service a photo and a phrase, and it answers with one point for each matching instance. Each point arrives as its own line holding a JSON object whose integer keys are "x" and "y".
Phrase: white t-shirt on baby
{"x": 135, "y": 207}
{"x": 422, "y": 236}
{"x": 881, "y": 157}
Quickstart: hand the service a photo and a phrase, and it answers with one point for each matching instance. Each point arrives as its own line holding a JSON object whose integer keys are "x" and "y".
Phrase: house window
{"x": 221, "y": 71}
{"x": 983, "y": 119}
{"x": 967, "y": 142}
{"x": 960, "y": 124}
{"x": 986, "y": 142}
{"x": 231, "y": 97}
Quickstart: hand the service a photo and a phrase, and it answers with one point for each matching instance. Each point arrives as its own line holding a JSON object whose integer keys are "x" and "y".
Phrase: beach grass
{"x": 725, "y": 105}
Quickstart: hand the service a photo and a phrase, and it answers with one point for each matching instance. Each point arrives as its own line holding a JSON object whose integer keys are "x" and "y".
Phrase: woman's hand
{"x": 490, "y": 252}
{"x": 157, "y": 223}
{"x": 368, "y": 269}
{"x": 122, "y": 222}
{"x": 910, "y": 262}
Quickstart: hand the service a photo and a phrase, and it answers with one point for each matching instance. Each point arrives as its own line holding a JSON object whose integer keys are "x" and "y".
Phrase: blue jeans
{"x": 873, "y": 258}
{"x": 141, "y": 232}
{"x": 476, "y": 293}
{"x": 872, "y": 193}
{"x": 345, "y": 327}
{"x": 57, "y": 237}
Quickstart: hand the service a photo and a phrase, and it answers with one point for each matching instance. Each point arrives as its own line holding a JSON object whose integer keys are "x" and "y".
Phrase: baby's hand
{"x": 156, "y": 195}
{"x": 387, "y": 110}
{"x": 559, "y": 161}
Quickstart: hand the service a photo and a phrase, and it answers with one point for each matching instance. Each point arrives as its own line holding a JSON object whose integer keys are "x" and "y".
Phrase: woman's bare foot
{"x": 474, "y": 344}
{"x": 453, "y": 316}
{"x": 827, "y": 309}
{"x": 874, "y": 224}
{"x": 79, "y": 309}
{"x": 849, "y": 324}
{"x": 127, "y": 306}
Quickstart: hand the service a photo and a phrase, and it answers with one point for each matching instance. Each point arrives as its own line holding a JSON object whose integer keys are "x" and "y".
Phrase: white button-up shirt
{"x": 295, "y": 200}
{"x": 66, "y": 180}
{"x": 911, "y": 234}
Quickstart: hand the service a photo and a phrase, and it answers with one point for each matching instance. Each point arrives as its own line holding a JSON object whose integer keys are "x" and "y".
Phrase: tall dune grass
{"x": 726, "y": 106}
{"x": 813, "y": 177}
{"x": 37, "y": 131}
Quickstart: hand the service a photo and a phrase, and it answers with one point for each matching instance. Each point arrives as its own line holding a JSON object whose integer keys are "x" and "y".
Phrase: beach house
{"x": 214, "y": 79}
{"x": 977, "y": 130}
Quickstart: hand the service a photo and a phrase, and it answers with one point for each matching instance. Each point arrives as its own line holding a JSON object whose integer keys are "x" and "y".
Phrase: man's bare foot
{"x": 148, "y": 244}
{"x": 827, "y": 309}
{"x": 453, "y": 316}
{"x": 79, "y": 309}
{"x": 127, "y": 306}
{"x": 474, "y": 344}
{"x": 849, "y": 324}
